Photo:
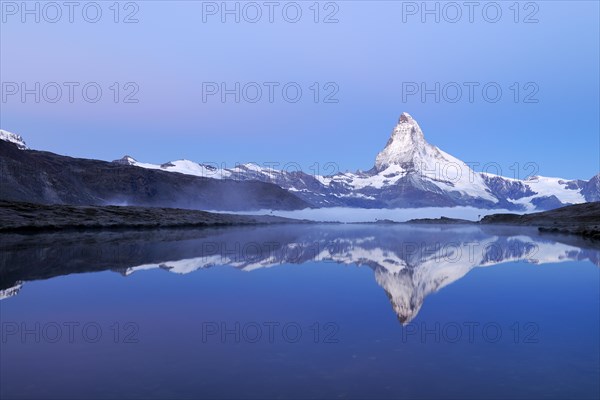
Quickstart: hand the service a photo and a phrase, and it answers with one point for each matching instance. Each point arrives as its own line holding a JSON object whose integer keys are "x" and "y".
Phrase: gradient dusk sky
{"x": 373, "y": 54}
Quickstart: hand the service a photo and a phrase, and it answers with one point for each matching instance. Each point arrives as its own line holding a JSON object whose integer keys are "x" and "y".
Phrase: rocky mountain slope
{"x": 48, "y": 178}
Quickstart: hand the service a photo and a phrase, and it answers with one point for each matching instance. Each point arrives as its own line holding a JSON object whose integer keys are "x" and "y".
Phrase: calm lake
{"x": 300, "y": 311}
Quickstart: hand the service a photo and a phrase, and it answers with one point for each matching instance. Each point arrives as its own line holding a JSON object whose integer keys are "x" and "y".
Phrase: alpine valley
{"x": 408, "y": 173}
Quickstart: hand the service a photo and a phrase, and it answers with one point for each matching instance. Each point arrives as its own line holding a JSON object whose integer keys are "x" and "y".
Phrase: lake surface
{"x": 307, "y": 311}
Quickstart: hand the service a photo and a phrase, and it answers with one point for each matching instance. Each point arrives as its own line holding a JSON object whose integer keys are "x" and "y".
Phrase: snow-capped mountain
{"x": 13, "y": 138}
{"x": 408, "y": 172}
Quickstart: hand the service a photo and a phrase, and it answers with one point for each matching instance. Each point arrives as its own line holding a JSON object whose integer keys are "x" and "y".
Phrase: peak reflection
{"x": 408, "y": 262}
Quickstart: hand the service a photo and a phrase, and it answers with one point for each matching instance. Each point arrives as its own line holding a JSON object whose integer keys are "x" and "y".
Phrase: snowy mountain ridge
{"x": 13, "y": 138}
{"x": 408, "y": 172}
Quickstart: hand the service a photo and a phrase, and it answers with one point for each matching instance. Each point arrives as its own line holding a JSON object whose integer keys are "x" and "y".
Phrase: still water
{"x": 337, "y": 311}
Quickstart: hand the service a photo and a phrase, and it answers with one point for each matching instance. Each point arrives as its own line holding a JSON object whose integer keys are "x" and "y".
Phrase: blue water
{"x": 348, "y": 311}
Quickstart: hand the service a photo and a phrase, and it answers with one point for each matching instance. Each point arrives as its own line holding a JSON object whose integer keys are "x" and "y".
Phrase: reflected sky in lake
{"x": 301, "y": 311}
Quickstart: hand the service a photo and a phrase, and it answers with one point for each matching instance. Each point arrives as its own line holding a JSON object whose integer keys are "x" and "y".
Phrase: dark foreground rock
{"x": 580, "y": 219}
{"x": 439, "y": 221}
{"x": 16, "y": 216}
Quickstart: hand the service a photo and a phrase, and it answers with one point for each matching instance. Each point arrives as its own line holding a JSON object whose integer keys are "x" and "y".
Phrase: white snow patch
{"x": 13, "y": 138}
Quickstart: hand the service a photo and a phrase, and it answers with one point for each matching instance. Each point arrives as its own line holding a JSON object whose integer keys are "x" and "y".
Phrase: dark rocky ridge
{"x": 580, "y": 219}
{"x": 585, "y": 214}
{"x": 30, "y": 217}
{"x": 48, "y": 178}
{"x": 439, "y": 221}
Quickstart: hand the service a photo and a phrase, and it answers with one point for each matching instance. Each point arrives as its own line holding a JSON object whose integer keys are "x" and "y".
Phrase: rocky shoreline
{"x": 29, "y": 217}
{"x": 580, "y": 219}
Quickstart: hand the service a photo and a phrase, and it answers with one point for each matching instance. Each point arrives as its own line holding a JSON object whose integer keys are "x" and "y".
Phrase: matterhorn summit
{"x": 406, "y": 147}
{"x": 408, "y": 153}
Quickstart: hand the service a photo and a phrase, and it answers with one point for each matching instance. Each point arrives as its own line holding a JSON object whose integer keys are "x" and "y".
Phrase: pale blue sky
{"x": 369, "y": 53}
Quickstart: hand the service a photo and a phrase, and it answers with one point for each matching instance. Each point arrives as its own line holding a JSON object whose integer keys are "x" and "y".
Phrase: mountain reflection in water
{"x": 409, "y": 262}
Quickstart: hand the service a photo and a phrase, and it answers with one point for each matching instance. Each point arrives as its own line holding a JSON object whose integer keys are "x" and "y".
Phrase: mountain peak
{"x": 126, "y": 160}
{"x": 405, "y": 118}
{"x": 405, "y": 145}
{"x": 13, "y": 138}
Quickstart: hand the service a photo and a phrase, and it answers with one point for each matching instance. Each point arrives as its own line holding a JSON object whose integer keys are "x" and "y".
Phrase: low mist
{"x": 343, "y": 214}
